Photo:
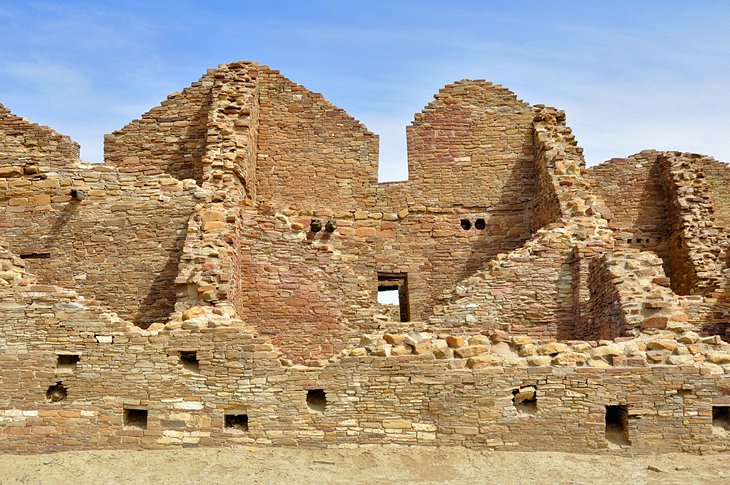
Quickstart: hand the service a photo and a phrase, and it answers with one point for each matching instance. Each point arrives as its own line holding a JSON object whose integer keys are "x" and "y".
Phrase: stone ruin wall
{"x": 520, "y": 333}
{"x": 170, "y": 138}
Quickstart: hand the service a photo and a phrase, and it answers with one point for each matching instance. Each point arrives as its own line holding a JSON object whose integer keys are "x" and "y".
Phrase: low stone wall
{"x": 207, "y": 379}
{"x": 241, "y": 394}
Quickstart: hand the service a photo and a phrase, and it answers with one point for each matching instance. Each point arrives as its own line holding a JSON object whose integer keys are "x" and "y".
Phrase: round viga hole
{"x": 465, "y": 224}
{"x": 56, "y": 392}
{"x": 480, "y": 224}
{"x": 316, "y": 400}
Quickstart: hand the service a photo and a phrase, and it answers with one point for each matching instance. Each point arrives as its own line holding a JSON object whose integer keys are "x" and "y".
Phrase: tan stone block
{"x": 213, "y": 225}
{"x": 654, "y": 322}
{"x": 552, "y": 348}
{"x": 400, "y": 350}
{"x": 483, "y": 361}
{"x": 662, "y": 344}
{"x": 479, "y": 340}
{"x": 365, "y": 232}
{"x": 522, "y": 340}
{"x": 470, "y": 351}
{"x": 455, "y": 342}
{"x": 598, "y": 363}
{"x": 569, "y": 359}
{"x": 394, "y": 339}
{"x": 396, "y": 424}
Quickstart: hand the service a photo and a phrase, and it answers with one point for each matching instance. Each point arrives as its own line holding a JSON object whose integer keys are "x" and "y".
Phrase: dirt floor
{"x": 361, "y": 465}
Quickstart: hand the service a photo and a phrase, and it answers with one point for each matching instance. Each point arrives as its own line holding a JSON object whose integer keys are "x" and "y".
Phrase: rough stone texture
{"x": 226, "y": 260}
{"x": 28, "y": 149}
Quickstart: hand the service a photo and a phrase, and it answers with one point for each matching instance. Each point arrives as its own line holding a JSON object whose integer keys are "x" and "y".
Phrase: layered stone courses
{"x": 225, "y": 261}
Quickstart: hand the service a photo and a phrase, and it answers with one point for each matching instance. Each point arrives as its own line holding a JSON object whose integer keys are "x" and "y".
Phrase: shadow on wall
{"x": 653, "y": 198}
{"x": 196, "y": 130}
{"x": 506, "y": 229}
{"x": 718, "y": 320}
{"x": 566, "y": 313}
{"x": 159, "y": 302}
{"x": 66, "y": 214}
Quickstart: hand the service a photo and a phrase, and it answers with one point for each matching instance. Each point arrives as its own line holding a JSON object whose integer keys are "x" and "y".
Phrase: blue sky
{"x": 630, "y": 75}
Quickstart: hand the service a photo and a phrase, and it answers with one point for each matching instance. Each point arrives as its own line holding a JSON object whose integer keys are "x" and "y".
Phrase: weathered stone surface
{"x": 219, "y": 273}
{"x": 470, "y": 351}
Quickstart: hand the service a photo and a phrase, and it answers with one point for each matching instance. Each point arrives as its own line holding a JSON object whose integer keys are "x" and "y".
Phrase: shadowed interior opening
{"x": 67, "y": 361}
{"x": 617, "y": 418}
{"x": 316, "y": 400}
{"x": 135, "y": 418}
{"x": 189, "y": 360}
{"x": 721, "y": 417}
{"x": 56, "y": 392}
{"x": 525, "y": 400}
{"x": 238, "y": 422}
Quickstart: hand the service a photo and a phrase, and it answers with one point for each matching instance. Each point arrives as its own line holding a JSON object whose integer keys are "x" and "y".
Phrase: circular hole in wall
{"x": 466, "y": 224}
{"x": 480, "y": 224}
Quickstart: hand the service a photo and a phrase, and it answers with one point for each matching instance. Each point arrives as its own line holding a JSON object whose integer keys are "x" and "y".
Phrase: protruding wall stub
{"x": 227, "y": 167}
{"x": 697, "y": 245}
{"x": 563, "y": 191}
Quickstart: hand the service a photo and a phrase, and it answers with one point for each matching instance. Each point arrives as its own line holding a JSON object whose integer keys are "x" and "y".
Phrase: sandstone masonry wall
{"x": 311, "y": 153}
{"x": 27, "y": 148}
{"x": 119, "y": 245}
{"x": 633, "y": 191}
{"x": 169, "y": 138}
{"x": 698, "y": 246}
{"x": 408, "y": 399}
{"x": 240, "y": 307}
{"x": 472, "y": 147}
{"x": 209, "y": 270}
{"x": 629, "y": 293}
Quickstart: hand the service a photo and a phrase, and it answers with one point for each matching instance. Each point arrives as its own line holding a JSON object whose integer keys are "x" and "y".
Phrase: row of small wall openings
{"x": 136, "y": 417}
{"x": 479, "y": 224}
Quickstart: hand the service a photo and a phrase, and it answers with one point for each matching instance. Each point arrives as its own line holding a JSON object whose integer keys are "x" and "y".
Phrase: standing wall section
{"x": 404, "y": 400}
{"x": 311, "y": 154}
{"x": 633, "y": 191}
{"x": 119, "y": 245}
{"x": 30, "y": 149}
{"x": 698, "y": 246}
{"x": 170, "y": 138}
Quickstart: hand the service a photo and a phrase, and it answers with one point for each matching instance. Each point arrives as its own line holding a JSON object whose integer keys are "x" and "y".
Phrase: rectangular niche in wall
{"x": 393, "y": 289}
{"x": 617, "y": 420}
{"x": 189, "y": 360}
{"x": 235, "y": 421}
{"x": 135, "y": 418}
{"x": 35, "y": 255}
{"x": 721, "y": 419}
{"x": 67, "y": 362}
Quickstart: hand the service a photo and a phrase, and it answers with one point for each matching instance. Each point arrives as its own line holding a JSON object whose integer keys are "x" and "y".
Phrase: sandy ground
{"x": 380, "y": 465}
